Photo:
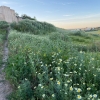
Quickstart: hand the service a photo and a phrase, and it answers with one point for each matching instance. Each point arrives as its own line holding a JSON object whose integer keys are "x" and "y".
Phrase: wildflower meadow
{"x": 48, "y": 63}
{"x": 42, "y": 67}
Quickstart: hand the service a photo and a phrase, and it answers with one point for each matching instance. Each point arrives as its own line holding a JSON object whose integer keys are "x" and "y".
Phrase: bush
{"x": 24, "y": 91}
{"x": 56, "y": 36}
{"x": 95, "y": 47}
{"x": 3, "y": 25}
{"x": 34, "y": 27}
{"x": 81, "y": 34}
{"x": 24, "y": 16}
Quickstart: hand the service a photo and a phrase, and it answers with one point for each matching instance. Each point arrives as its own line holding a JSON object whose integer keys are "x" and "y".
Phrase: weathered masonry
{"x": 8, "y": 15}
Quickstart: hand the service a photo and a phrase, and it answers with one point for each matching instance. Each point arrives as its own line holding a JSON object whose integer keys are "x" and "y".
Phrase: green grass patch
{"x": 93, "y": 32}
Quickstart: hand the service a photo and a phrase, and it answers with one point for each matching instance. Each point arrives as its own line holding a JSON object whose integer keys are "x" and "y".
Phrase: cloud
{"x": 73, "y": 18}
{"x": 4, "y": 2}
{"x": 91, "y": 16}
{"x": 7, "y": 3}
{"x": 62, "y": 3}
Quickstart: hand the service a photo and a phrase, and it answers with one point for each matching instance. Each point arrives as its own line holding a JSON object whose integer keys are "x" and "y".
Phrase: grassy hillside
{"x": 33, "y": 27}
{"x": 58, "y": 66}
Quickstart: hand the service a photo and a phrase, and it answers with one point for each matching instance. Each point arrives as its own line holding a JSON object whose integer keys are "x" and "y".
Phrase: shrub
{"x": 56, "y": 36}
{"x": 3, "y": 25}
{"x": 34, "y": 27}
{"x": 81, "y": 34}
{"x": 24, "y": 16}
{"x": 24, "y": 91}
{"x": 82, "y": 48}
{"x": 95, "y": 47}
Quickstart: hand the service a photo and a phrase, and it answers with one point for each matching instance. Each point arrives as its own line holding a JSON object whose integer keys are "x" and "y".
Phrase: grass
{"x": 85, "y": 41}
{"x": 2, "y": 35}
{"x": 50, "y": 66}
{"x": 94, "y": 32}
{"x": 1, "y": 46}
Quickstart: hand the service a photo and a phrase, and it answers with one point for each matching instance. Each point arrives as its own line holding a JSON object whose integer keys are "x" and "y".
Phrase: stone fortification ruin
{"x": 8, "y": 15}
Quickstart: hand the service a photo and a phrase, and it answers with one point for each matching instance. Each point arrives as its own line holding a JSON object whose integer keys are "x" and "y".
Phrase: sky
{"x": 68, "y": 14}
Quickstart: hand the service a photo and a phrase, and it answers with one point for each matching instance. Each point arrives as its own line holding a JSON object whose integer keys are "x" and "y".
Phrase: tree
{"x": 16, "y": 14}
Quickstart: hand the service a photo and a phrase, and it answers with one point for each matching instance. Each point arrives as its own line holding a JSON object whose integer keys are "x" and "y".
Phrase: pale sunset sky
{"x": 68, "y": 14}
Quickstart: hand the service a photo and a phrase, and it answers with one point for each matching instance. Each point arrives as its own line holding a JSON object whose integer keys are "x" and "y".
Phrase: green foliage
{"x": 1, "y": 47}
{"x": 81, "y": 34}
{"x": 24, "y": 16}
{"x": 2, "y": 31}
{"x": 3, "y": 25}
{"x": 34, "y": 27}
{"x": 59, "y": 36}
{"x": 94, "y": 47}
{"x": 2, "y": 37}
{"x": 24, "y": 91}
{"x": 42, "y": 69}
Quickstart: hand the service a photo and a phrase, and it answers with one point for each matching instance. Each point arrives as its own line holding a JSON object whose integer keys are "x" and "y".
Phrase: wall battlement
{"x": 8, "y": 15}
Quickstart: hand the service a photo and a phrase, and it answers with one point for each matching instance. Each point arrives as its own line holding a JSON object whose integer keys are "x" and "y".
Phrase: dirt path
{"x": 5, "y": 87}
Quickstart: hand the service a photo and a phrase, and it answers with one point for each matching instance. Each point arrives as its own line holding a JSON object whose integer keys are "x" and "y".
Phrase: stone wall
{"x": 7, "y": 14}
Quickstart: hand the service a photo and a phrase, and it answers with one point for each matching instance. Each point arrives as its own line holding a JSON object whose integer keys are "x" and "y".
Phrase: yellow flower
{"x": 51, "y": 79}
{"x": 88, "y": 88}
{"x": 58, "y": 68}
{"x": 90, "y": 96}
{"x": 58, "y": 82}
{"x": 79, "y": 90}
{"x": 71, "y": 88}
{"x": 79, "y": 97}
{"x": 42, "y": 87}
{"x": 68, "y": 81}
